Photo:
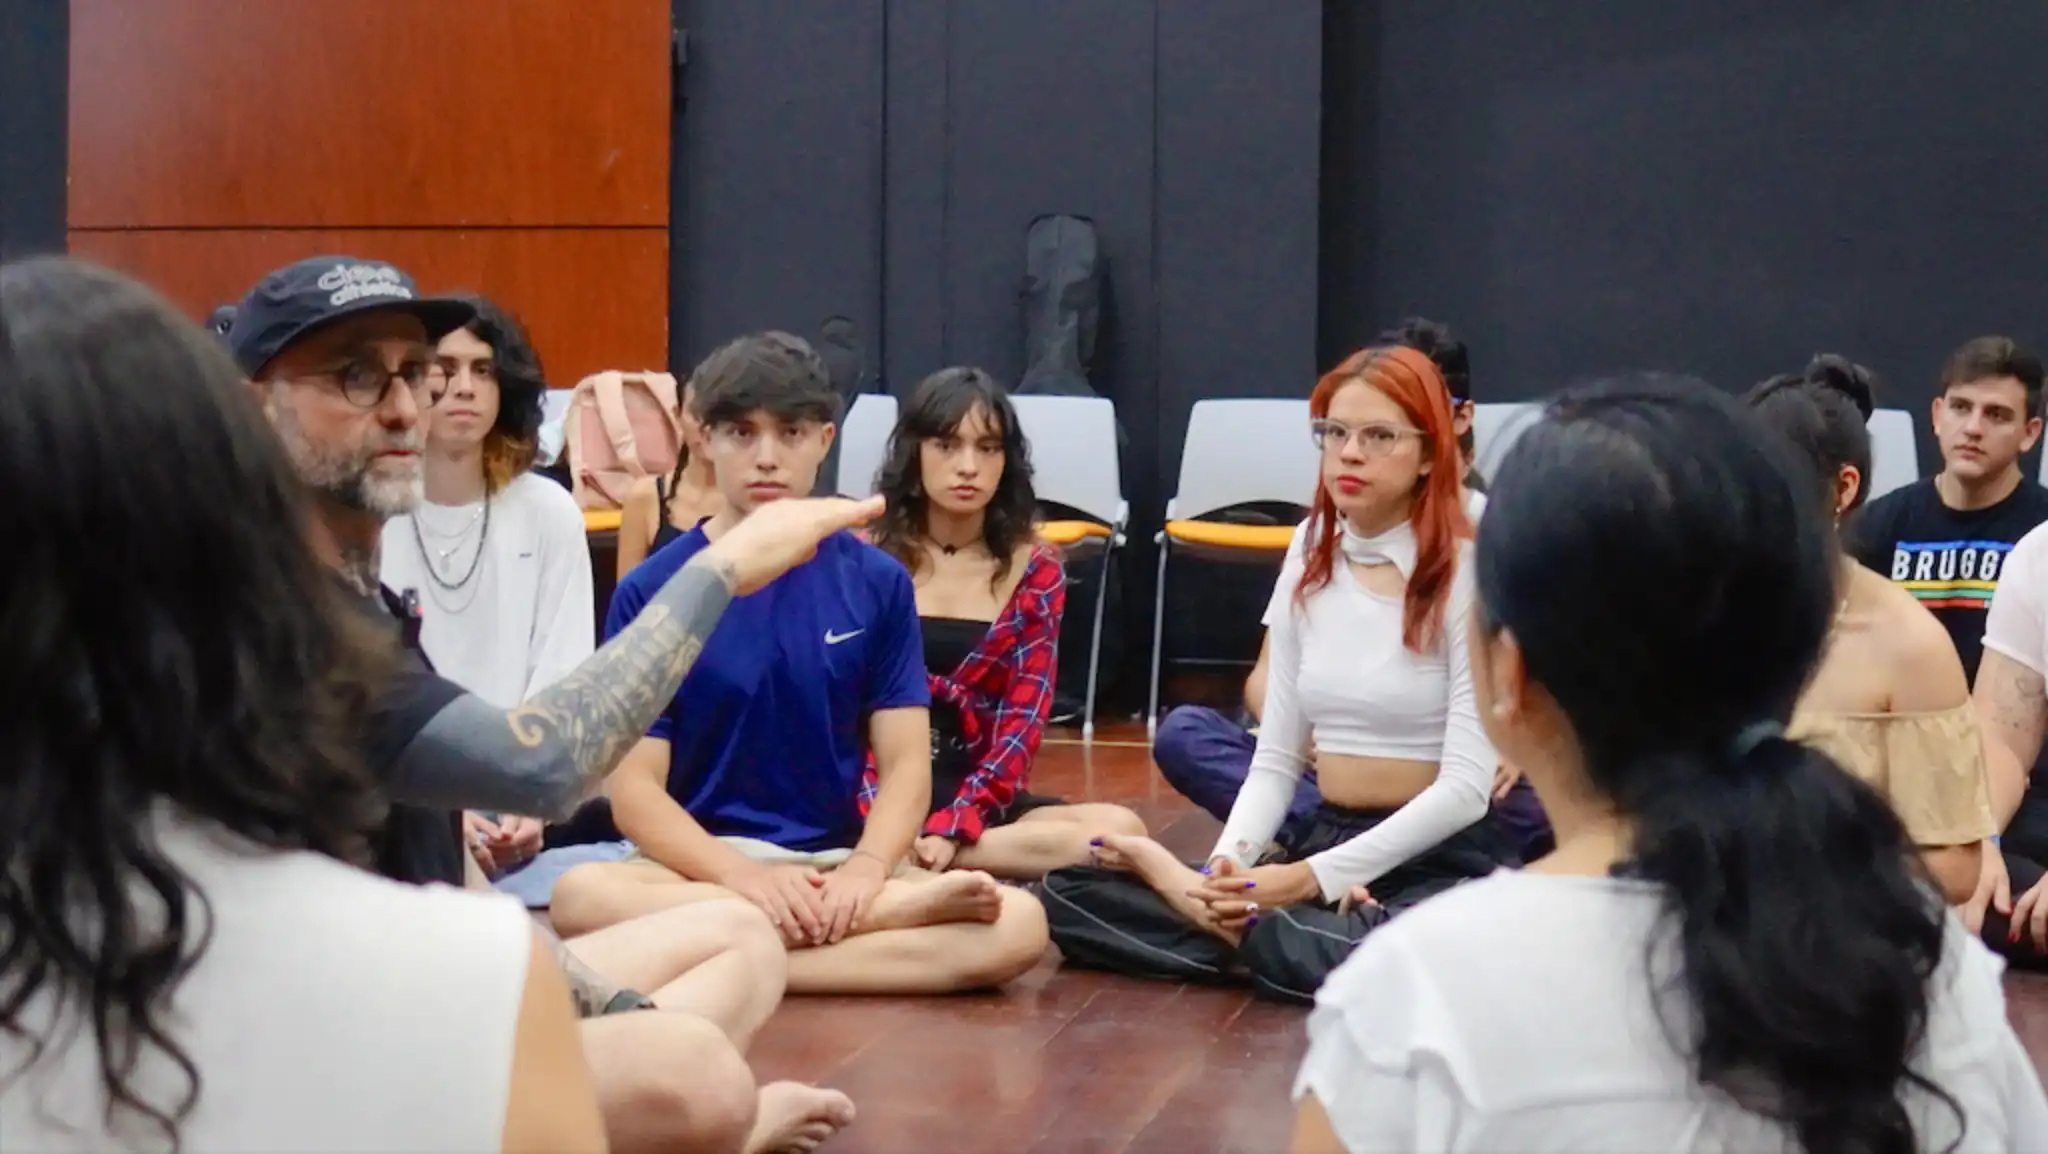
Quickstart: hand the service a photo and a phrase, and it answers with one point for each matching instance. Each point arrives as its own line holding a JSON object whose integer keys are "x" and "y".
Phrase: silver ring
{"x": 1252, "y": 909}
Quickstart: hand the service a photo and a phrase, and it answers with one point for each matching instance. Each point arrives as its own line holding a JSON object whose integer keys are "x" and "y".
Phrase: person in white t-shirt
{"x": 496, "y": 553}
{"x": 1734, "y": 946}
{"x": 2011, "y": 696}
{"x": 192, "y": 958}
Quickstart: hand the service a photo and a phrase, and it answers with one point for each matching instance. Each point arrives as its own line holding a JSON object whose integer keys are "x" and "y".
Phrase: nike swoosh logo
{"x": 832, "y": 638}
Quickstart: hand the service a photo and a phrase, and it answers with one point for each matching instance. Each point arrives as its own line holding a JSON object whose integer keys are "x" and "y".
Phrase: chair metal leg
{"x": 1158, "y": 640}
{"x": 1095, "y": 644}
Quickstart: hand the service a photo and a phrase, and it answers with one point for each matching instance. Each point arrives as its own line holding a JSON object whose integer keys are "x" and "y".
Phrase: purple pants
{"x": 1205, "y": 756}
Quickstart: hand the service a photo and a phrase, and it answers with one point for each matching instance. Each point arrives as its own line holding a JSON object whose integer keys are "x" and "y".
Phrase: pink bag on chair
{"x": 621, "y": 427}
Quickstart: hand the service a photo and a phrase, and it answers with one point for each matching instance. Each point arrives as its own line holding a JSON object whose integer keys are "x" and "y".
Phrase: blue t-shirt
{"x": 769, "y": 729}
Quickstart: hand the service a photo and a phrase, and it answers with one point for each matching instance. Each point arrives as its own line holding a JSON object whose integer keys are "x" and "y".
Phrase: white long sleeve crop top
{"x": 1340, "y": 681}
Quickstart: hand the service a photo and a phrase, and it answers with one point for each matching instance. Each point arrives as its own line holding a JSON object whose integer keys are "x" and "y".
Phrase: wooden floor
{"x": 1071, "y": 1062}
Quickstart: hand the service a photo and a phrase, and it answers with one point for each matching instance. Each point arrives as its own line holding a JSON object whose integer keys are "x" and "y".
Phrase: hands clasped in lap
{"x": 815, "y": 908}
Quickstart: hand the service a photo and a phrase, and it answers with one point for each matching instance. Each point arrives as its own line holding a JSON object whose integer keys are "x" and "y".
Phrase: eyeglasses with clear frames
{"x": 1374, "y": 440}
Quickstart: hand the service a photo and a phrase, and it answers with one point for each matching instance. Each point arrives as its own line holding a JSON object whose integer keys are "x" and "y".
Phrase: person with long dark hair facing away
{"x": 660, "y": 509}
{"x": 1370, "y": 679}
{"x": 962, "y": 518}
{"x": 1889, "y": 702}
{"x": 188, "y": 955}
{"x": 1735, "y": 946}
{"x": 497, "y": 550}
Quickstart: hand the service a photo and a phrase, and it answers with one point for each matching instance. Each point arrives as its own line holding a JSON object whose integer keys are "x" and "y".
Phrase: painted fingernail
{"x": 1095, "y": 841}
{"x": 1205, "y": 871}
{"x": 1251, "y": 921}
{"x": 1249, "y": 885}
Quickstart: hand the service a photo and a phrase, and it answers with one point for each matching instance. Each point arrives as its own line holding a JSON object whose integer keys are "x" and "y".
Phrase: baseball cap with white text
{"x": 305, "y": 295}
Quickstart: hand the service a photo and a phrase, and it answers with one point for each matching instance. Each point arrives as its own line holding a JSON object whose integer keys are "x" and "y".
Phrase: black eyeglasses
{"x": 367, "y": 383}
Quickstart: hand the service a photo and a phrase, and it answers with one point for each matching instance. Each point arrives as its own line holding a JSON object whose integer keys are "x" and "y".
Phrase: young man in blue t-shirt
{"x": 749, "y": 782}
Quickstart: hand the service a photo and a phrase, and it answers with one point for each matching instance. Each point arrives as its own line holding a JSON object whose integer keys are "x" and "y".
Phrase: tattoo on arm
{"x": 2019, "y": 708}
{"x": 544, "y": 757}
{"x": 596, "y": 713}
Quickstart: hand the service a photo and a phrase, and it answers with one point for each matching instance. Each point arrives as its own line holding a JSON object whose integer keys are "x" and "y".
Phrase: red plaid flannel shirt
{"x": 1004, "y": 694}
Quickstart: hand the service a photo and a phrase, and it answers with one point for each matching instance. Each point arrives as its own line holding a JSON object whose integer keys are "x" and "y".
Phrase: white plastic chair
{"x": 1894, "y": 452}
{"x": 1494, "y": 430}
{"x": 1074, "y": 463}
{"x": 554, "y": 415}
{"x": 1237, "y": 452}
{"x": 864, "y": 443}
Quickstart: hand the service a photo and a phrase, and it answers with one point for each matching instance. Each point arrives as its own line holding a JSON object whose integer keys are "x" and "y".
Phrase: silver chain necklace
{"x": 429, "y": 556}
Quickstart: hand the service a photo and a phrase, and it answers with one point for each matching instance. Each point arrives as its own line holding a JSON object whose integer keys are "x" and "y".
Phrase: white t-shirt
{"x": 527, "y": 615}
{"x": 1516, "y": 1013}
{"x": 332, "y": 1011}
{"x": 2017, "y": 625}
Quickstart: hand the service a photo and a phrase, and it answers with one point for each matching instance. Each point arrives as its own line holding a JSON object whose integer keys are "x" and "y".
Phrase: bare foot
{"x": 948, "y": 898}
{"x": 797, "y": 1119}
{"x": 1146, "y": 858}
{"x": 1170, "y": 877}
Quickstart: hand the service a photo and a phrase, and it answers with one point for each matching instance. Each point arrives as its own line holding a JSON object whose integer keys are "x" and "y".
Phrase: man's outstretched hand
{"x": 781, "y": 535}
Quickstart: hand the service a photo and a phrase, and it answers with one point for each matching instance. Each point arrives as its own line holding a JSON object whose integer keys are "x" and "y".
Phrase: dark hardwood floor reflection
{"x": 1073, "y": 1062}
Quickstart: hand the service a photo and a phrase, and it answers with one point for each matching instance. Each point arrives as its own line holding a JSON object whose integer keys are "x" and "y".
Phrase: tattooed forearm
{"x": 601, "y": 709}
{"x": 545, "y": 756}
{"x": 2012, "y": 702}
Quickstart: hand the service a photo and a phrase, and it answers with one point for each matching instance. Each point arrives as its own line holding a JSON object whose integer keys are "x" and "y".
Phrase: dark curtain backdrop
{"x": 1720, "y": 186}
{"x": 1717, "y": 186}
{"x": 33, "y": 71}
{"x": 881, "y": 159}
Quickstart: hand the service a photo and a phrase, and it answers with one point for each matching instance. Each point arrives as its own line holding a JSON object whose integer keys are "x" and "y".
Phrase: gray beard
{"x": 345, "y": 479}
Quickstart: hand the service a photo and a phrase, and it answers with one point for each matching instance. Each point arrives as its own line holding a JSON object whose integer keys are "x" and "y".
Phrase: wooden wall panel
{"x": 591, "y": 298}
{"x": 359, "y": 113}
{"x": 518, "y": 148}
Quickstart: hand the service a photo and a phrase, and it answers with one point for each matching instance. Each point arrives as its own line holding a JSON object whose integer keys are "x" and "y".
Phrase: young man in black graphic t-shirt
{"x": 1946, "y": 538}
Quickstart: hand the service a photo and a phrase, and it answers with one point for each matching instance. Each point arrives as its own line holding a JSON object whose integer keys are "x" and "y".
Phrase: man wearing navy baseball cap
{"x": 340, "y": 353}
{"x": 344, "y": 349}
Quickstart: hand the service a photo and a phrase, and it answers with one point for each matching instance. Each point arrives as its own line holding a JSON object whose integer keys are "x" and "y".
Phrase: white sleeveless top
{"x": 332, "y": 1011}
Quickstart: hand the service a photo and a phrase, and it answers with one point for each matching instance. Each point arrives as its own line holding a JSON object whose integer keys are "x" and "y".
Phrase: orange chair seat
{"x": 1264, "y": 538}
{"x": 600, "y": 520}
{"x": 1070, "y": 533}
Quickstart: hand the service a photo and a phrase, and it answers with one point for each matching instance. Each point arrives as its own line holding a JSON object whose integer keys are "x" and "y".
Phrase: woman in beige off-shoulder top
{"x": 1889, "y": 702}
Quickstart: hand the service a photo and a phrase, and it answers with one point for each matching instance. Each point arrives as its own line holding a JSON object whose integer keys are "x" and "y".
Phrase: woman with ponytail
{"x": 1734, "y": 947}
{"x": 1890, "y": 702}
{"x": 1368, "y": 682}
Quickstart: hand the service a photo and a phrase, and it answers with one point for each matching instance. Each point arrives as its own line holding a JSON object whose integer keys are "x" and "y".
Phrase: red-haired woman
{"x": 1369, "y": 678}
